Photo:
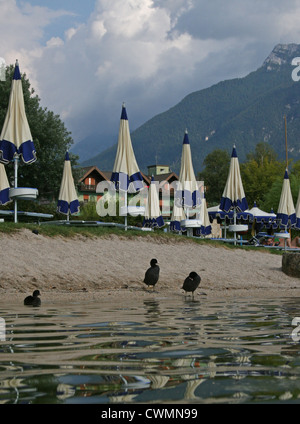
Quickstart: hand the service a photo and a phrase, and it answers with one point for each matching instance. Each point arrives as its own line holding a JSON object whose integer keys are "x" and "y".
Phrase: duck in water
{"x": 191, "y": 283}
{"x": 152, "y": 274}
{"x": 33, "y": 300}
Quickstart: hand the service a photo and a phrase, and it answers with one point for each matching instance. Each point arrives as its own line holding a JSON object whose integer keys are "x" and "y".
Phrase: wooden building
{"x": 91, "y": 176}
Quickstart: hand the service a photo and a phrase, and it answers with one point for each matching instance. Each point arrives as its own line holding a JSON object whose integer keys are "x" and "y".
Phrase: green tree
{"x": 215, "y": 175}
{"x": 259, "y": 173}
{"x": 50, "y": 137}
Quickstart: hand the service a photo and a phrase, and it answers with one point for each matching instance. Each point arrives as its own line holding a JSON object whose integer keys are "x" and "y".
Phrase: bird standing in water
{"x": 33, "y": 300}
{"x": 191, "y": 282}
{"x": 152, "y": 274}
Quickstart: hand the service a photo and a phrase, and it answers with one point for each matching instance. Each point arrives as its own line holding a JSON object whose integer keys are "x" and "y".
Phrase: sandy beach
{"x": 112, "y": 267}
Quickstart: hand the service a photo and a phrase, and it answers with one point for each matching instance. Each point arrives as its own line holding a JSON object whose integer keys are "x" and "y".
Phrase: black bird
{"x": 152, "y": 274}
{"x": 33, "y": 300}
{"x": 191, "y": 282}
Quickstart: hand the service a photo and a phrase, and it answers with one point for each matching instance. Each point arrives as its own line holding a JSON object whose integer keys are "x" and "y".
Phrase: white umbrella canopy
{"x": 16, "y": 138}
{"x": 298, "y": 212}
{"x": 178, "y": 215}
{"x": 234, "y": 196}
{"x": 188, "y": 192}
{"x": 286, "y": 213}
{"x": 68, "y": 203}
{"x": 4, "y": 186}
{"x": 153, "y": 217}
{"x": 126, "y": 171}
{"x": 205, "y": 228}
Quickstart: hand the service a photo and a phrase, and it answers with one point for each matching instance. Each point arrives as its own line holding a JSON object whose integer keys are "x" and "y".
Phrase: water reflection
{"x": 160, "y": 350}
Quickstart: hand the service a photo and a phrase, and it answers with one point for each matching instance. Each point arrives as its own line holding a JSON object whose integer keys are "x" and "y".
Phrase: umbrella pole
{"x": 234, "y": 221}
{"x": 125, "y": 204}
{"x": 16, "y": 162}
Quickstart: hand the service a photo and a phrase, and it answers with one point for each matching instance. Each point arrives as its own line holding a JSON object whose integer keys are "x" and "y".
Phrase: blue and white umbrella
{"x": 16, "y": 138}
{"x": 187, "y": 194}
{"x": 4, "y": 186}
{"x": 205, "y": 229}
{"x": 234, "y": 196}
{"x": 178, "y": 216}
{"x": 153, "y": 217}
{"x": 126, "y": 172}
{"x": 298, "y": 212}
{"x": 262, "y": 217}
{"x": 68, "y": 203}
{"x": 286, "y": 213}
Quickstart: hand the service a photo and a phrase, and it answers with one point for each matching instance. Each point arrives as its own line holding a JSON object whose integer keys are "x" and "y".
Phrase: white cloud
{"x": 149, "y": 53}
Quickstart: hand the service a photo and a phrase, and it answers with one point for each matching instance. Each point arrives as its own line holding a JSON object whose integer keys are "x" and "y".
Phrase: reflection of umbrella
{"x": 234, "y": 195}
{"x": 67, "y": 200}
{"x": 153, "y": 216}
{"x": 188, "y": 194}
{"x": 126, "y": 174}
{"x": 298, "y": 212}
{"x": 286, "y": 214}
{"x": 4, "y": 186}
{"x": 16, "y": 137}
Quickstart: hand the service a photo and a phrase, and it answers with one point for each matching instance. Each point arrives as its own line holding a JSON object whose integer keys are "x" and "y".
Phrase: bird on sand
{"x": 33, "y": 300}
{"x": 152, "y": 274}
{"x": 191, "y": 282}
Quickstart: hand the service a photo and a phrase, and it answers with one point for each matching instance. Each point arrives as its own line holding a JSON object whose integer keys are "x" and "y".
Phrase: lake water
{"x": 157, "y": 351}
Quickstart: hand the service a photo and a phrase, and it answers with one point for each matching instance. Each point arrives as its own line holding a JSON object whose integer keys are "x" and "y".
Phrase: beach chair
{"x": 262, "y": 239}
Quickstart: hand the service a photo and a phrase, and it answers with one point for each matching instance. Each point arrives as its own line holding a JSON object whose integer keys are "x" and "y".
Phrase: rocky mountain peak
{"x": 281, "y": 54}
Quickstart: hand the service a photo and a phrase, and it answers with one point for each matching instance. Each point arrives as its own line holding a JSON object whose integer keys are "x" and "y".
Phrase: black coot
{"x": 152, "y": 274}
{"x": 33, "y": 300}
{"x": 191, "y": 282}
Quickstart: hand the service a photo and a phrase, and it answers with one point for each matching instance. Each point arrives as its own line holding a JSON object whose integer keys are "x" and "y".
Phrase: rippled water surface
{"x": 158, "y": 351}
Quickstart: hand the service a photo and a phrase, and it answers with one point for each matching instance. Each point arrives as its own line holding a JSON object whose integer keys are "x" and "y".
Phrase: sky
{"x": 84, "y": 58}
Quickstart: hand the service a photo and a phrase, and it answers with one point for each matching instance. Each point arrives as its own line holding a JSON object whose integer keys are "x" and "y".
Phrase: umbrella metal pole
{"x": 234, "y": 221}
{"x": 16, "y": 160}
{"x": 125, "y": 204}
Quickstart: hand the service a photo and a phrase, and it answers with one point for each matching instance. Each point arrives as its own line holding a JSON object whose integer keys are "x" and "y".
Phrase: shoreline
{"x": 111, "y": 268}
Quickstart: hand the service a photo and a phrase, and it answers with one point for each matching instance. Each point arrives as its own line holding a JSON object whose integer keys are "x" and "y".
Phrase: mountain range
{"x": 241, "y": 111}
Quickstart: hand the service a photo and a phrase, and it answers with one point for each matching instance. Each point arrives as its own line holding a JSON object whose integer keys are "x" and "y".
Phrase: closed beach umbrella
{"x": 178, "y": 215}
{"x": 286, "y": 213}
{"x": 4, "y": 186}
{"x": 126, "y": 170}
{"x": 234, "y": 196}
{"x": 153, "y": 218}
{"x": 298, "y": 212}
{"x": 188, "y": 194}
{"x": 205, "y": 228}
{"x": 16, "y": 138}
{"x": 126, "y": 174}
{"x": 68, "y": 203}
